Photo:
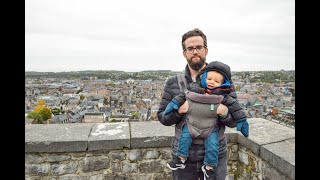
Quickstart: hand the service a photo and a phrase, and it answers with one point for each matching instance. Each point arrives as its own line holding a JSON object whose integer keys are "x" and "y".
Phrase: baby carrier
{"x": 201, "y": 117}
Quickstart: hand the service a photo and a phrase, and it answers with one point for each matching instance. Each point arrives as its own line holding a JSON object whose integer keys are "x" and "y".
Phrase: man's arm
{"x": 172, "y": 117}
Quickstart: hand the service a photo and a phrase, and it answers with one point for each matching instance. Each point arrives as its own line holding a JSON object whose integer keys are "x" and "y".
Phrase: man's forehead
{"x": 194, "y": 40}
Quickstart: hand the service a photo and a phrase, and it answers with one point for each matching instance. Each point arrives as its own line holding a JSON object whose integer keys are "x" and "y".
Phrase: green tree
{"x": 82, "y": 97}
{"x": 56, "y": 111}
{"x": 135, "y": 115}
{"x": 35, "y": 116}
{"x": 40, "y": 113}
{"x": 40, "y": 117}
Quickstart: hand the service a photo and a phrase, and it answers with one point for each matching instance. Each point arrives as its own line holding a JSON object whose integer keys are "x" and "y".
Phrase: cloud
{"x": 142, "y": 35}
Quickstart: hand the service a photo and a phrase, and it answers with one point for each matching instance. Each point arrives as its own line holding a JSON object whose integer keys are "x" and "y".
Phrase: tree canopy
{"x": 40, "y": 113}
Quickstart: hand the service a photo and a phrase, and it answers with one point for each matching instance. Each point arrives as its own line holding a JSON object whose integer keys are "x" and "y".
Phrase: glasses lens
{"x": 198, "y": 48}
{"x": 190, "y": 50}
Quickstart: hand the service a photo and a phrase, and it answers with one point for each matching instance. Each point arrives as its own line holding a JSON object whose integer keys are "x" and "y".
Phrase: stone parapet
{"x": 151, "y": 134}
{"x": 139, "y": 150}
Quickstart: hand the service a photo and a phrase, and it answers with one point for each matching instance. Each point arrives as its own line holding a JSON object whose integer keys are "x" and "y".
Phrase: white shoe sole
{"x": 205, "y": 175}
{"x": 181, "y": 167}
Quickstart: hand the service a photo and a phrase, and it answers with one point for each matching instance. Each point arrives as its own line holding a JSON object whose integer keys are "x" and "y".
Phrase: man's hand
{"x": 222, "y": 110}
{"x": 184, "y": 108}
{"x": 243, "y": 127}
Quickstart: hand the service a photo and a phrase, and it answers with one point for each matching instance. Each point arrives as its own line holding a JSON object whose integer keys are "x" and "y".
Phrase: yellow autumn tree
{"x": 41, "y": 102}
{"x": 40, "y": 113}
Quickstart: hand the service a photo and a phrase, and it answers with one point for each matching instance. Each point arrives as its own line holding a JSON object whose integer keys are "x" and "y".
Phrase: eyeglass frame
{"x": 194, "y": 48}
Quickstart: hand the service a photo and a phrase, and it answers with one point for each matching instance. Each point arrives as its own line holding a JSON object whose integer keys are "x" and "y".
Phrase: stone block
{"x": 94, "y": 163}
{"x": 57, "y": 137}
{"x": 281, "y": 155}
{"x": 151, "y": 167}
{"x": 109, "y": 136}
{"x": 62, "y": 168}
{"x": 231, "y": 135}
{"x": 151, "y": 134}
{"x": 135, "y": 155}
{"x": 262, "y": 132}
{"x": 37, "y": 169}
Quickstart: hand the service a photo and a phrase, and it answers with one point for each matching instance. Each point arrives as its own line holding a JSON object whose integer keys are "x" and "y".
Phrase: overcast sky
{"x": 136, "y": 35}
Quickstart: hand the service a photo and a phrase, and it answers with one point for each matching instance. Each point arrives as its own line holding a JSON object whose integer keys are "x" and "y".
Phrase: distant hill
{"x": 265, "y": 76}
{"x": 157, "y": 71}
{"x": 104, "y": 74}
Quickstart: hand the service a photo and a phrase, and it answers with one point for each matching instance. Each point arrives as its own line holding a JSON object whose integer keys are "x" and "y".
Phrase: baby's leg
{"x": 184, "y": 143}
{"x": 211, "y": 144}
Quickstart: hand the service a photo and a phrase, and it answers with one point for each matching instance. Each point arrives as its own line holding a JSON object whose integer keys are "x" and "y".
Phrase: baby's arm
{"x": 175, "y": 103}
{"x": 238, "y": 114}
{"x": 234, "y": 107}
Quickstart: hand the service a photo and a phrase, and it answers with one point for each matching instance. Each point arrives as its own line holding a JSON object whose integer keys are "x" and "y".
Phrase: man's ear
{"x": 206, "y": 51}
{"x": 184, "y": 54}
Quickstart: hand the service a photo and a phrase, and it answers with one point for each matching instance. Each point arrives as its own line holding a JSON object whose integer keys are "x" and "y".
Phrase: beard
{"x": 196, "y": 65}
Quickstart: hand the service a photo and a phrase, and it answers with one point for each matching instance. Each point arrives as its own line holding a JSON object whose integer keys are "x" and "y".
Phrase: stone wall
{"x": 140, "y": 150}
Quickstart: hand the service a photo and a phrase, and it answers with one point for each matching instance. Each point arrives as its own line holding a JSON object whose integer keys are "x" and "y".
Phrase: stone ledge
{"x": 109, "y": 136}
{"x": 263, "y": 132}
{"x": 281, "y": 155}
{"x": 57, "y": 137}
{"x": 151, "y": 134}
{"x": 231, "y": 134}
{"x": 272, "y": 142}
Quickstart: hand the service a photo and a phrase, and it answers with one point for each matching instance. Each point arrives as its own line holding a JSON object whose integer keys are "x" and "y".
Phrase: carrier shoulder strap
{"x": 182, "y": 82}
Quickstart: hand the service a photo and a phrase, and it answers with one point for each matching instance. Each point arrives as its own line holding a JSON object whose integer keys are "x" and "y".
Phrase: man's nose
{"x": 195, "y": 51}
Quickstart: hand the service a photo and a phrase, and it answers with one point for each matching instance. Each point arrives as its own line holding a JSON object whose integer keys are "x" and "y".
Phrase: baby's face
{"x": 214, "y": 79}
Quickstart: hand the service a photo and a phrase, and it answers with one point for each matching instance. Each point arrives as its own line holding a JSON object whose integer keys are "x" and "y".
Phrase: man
{"x": 194, "y": 45}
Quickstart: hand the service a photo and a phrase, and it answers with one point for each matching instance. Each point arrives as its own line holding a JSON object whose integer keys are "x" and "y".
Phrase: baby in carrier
{"x": 201, "y": 119}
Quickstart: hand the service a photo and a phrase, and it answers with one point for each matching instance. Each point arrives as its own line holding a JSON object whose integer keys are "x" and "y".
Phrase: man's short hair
{"x": 194, "y": 32}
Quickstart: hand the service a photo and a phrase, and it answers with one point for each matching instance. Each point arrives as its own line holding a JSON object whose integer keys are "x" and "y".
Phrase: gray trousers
{"x": 193, "y": 171}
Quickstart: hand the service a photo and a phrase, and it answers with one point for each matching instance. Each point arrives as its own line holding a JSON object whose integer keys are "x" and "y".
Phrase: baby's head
{"x": 212, "y": 79}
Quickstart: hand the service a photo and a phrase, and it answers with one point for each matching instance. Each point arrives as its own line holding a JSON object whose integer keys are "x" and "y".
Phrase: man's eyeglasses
{"x": 190, "y": 50}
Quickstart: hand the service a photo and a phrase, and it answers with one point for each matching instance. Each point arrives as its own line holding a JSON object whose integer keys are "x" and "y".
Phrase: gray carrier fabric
{"x": 201, "y": 116}
{"x": 182, "y": 82}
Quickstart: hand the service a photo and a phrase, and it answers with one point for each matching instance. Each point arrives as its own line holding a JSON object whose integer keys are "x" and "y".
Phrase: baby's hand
{"x": 243, "y": 127}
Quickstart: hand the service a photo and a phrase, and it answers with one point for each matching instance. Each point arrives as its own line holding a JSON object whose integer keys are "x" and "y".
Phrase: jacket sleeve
{"x": 234, "y": 108}
{"x": 228, "y": 121}
{"x": 168, "y": 94}
{"x": 233, "y": 93}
